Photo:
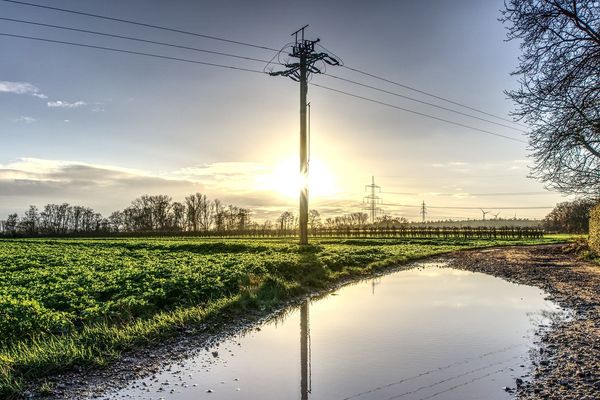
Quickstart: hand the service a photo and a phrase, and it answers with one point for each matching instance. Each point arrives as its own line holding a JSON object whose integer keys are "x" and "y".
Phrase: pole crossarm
{"x": 293, "y": 69}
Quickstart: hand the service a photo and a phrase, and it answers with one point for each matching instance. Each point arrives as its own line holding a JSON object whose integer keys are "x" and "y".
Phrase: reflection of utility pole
{"x": 372, "y": 199}
{"x": 304, "y": 352}
{"x": 304, "y": 51}
{"x": 374, "y": 282}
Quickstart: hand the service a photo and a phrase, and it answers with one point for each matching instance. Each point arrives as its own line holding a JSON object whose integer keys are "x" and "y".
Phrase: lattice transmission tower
{"x": 372, "y": 200}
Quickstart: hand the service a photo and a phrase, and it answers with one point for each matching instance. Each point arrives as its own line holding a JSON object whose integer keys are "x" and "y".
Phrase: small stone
{"x": 519, "y": 382}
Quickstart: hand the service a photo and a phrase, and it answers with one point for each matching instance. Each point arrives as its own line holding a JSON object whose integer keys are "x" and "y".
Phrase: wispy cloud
{"x": 25, "y": 120}
{"x": 21, "y": 88}
{"x": 66, "y": 104}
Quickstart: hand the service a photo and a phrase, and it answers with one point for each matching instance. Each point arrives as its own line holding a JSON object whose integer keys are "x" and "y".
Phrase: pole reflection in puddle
{"x": 305, "y": 359}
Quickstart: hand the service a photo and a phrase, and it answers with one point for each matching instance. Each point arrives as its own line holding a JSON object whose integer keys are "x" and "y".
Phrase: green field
{"x": 81, "y": 302}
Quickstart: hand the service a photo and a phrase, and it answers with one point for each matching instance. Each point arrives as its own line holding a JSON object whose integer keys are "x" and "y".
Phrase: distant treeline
{"x": 197, "y": 214}
{"x": 158, "y": 213}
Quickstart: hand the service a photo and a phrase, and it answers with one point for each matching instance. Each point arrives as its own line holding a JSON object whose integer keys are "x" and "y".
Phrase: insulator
{"x": 330, "y": 60}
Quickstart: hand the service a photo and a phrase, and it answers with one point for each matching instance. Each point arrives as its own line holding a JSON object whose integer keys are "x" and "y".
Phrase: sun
{"x": 285, "y": 179}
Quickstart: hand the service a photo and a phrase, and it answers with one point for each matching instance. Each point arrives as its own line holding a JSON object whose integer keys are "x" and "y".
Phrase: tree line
{"x": 147, "y": 213}
{"x": 197, "y": 214}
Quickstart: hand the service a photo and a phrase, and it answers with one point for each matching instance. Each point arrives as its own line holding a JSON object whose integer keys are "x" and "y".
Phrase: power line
{"x": 212, "y": 37}
{"x": 424, "y": 102}
{"x": 431, "y": 95}
{"x": 68, "y": 28}
{"x": 127, "y": 21}
{"x": 420, "y": 113}
{"x": 471, "y": 208}
{"x": 472, "y": 194}
{"x": 130, "y": 52}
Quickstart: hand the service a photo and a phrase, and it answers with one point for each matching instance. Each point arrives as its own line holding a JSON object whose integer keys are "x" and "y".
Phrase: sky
{"x": 99, "y": 128}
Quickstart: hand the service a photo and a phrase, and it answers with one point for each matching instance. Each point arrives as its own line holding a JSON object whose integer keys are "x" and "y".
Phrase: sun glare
{"x": 286, "y": 180}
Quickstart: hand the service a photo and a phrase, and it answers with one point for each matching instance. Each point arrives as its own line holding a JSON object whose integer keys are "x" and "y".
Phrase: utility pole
{"x": 304, "y": 51}
{"x": 372, "y": 199}
{"x": 423, "y": 211}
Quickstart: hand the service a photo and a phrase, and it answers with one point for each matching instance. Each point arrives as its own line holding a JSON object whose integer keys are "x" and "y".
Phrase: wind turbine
{"x": 484, "y": 213}
{"x": 496, "y": 215}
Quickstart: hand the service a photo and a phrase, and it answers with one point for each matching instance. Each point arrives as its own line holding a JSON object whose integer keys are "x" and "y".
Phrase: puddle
{"x": 424, "y": 333}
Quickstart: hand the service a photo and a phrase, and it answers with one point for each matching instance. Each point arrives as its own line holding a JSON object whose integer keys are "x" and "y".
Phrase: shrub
{"x": 595, "y": 229}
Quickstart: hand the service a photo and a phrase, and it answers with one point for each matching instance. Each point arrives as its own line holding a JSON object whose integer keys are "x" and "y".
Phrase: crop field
{"x": 81, "y": 302}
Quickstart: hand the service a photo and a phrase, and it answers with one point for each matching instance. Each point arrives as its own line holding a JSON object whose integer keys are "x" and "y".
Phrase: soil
{"x": 566, "y": 360}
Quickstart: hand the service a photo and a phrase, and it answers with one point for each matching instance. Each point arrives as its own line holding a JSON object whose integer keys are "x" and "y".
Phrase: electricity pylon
{"x": 372, "y": 200}
{"x": 304, "y": 51}
{"x": 423, "y": 211}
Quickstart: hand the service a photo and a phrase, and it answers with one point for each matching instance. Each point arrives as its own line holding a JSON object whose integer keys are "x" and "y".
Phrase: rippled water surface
{"x": 424, "y": 333}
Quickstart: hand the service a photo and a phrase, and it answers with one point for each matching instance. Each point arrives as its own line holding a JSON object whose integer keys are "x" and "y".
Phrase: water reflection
{"x": 429, "y": 333}
{"x": 304, "y": 351}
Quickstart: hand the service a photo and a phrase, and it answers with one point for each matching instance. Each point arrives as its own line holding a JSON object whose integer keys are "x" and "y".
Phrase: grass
{"x": 83, "y": 302}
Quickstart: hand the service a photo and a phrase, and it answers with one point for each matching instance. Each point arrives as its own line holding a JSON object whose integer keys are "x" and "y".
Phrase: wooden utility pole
{"x": 304, "y": 51}
{"x": 303, "y": 218}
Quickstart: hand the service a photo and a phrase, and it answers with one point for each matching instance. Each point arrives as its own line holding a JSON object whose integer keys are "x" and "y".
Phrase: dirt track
{"x": 568, "y": 366}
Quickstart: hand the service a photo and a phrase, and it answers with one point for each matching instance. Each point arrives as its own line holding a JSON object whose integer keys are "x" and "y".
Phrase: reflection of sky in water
{"x": 417, "y": 334}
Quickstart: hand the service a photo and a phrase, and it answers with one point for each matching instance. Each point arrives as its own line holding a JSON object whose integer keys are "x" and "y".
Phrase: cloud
{"x": 25, "y": 119}
{"x": 66, "y": 104}
{"x": 107, "y": 188}
{"x": 21, "y": 88}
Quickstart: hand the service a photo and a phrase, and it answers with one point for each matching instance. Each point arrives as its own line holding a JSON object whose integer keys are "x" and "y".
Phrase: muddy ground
{"x": 567, "y": 361}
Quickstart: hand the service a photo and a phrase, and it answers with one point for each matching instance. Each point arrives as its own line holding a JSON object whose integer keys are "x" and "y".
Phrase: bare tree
{"x": 559, "y": 96}
{"x": 177, "y": 216}
{"x": 140, "y": 214}
{"x": 192, "y": 211}
{"x": 314, "y": 219}
{"x": 161, "y": 211}
{"x": 116, "y": 221}
{"x": 30, "y": 222}
{"x": 205, "y": 212}
{"x": 10, "y": 225}
{"x": 231, "y": 216}
{"x": 219, "y": 215}
{"x": 285, "y": 221}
